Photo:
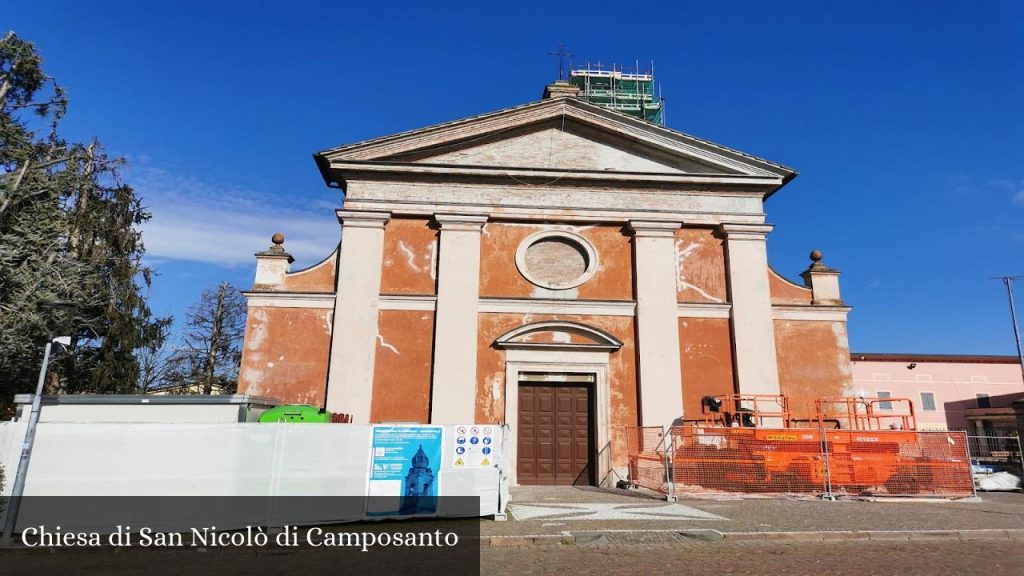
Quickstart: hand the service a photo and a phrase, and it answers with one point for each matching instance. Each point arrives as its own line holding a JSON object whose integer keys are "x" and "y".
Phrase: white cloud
{"x": 205, "y": 221}
{"x": 1018, "y": 198}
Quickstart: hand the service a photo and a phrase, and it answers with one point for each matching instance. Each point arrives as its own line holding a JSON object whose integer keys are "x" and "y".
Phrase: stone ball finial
{"x": 816, "y": 256}
{"x": 277, "y": 238}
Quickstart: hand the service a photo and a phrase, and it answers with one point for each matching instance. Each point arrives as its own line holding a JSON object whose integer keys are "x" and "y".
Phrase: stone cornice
{"x": 654, "y": 228}
{"x": 469, "y": 129}
{"x": 757, "y": 184}
{"x": 812, "y": 312}
{"x": 460, "y": 222}
{"x": 703, "y": 310}
{"x": 551, "y": 306}
{"x": 734, "y": 231}
{"x": 322, "y": 300}
{"x": 362, "y": 219}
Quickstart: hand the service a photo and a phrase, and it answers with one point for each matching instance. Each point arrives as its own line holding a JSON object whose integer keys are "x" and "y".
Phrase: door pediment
{"x": 558, "y": 334}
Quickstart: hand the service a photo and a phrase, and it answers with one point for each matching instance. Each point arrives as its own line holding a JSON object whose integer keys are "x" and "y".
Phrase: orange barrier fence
{"x": 647, "y": 457}
{"x": 801, "y": 461}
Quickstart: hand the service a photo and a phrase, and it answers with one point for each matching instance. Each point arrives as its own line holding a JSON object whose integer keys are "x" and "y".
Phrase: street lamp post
{"x": 1008, "y": 282}
{"x": 18, "y": 489}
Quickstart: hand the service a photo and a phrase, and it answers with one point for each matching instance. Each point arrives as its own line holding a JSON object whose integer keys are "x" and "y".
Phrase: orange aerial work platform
{"x": 756, "y": 443}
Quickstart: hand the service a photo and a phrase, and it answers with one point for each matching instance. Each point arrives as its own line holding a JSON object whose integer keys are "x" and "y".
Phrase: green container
{"x": 295, "y": 413}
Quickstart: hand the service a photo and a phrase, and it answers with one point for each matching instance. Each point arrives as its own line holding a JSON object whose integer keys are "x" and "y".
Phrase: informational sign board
{"x": 474, "y": 446}
{"x": 404, "y": 465}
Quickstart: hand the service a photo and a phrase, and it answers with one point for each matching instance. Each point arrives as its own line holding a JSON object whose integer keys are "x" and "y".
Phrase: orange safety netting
{"x": 800, "y": 461}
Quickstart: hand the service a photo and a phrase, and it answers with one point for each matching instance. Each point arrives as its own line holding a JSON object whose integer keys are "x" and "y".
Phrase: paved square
{"x": 609, "y": 511}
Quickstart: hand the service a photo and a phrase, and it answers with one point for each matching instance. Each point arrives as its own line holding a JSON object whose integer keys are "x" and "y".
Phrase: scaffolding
{"x": 627, "y": 92}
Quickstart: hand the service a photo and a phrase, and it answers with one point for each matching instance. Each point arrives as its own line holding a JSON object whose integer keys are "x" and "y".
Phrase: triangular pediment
{"x": 555, "y": 134}
{"x": 561, "y": 145}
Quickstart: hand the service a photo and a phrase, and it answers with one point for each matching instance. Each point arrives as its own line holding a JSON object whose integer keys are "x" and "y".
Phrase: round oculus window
{"x": 556, "y": 260}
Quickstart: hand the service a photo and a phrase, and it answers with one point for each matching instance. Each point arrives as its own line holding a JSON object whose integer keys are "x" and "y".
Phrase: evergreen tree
{"x": 68, "y": 233}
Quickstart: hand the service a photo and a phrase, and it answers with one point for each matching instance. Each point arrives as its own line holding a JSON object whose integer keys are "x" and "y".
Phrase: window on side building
{"x": 927, "y": 400}
{"x": 984, "y": 401}
{"x": 884, "y": 405}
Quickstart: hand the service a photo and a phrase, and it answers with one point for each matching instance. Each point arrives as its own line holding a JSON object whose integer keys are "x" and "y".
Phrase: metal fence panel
{"x": 801, "y": 461}
{"x": 899, "y": 463}
{"x": 999, "y": 453}
{"x": 750, "y": 460}
{"x": 647, "y": 453}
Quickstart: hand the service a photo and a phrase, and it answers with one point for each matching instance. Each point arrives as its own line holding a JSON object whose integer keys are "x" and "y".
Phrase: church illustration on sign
{"x": 416, "y": 496}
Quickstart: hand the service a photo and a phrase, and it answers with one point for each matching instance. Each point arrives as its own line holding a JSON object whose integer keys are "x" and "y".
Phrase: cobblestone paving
{"x": 996, "y": 510}
{"x": 789, "y": 559}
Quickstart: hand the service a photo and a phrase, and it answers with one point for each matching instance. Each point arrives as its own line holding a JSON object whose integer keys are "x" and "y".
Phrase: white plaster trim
{"x": 600, "y": 338}
{"x": 756, "y": 232}
{"x": 703, "y": 310}
{"x": 819, "y": 313}
{"x": 543, "y": 214}
{"x": 362, "y": 219}
{"x": 571, "y": 307}
{"x": 571, "y": 237}
{"x": 461, "y": 222}
{"x": 588, "y": 362}
{"x": 517, "y": 173}
{"x": 289, "y": 300}
{"x": 654, "y": 228}
{"x": 399, "y": 302}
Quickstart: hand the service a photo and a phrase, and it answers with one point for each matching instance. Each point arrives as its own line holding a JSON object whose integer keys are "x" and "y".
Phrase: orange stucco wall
{"x": 286, "y": 354}
{"x": 499, "y": 277}
{"x": 402, "y": 373}
{"x": 319, "y": 277}
{"x": 700, "y": 258}
{"x": 410, "y": 257}
{"x": 706, "y": 358}
{"x": 814, "y": 360}
{"x": 785, "y": 292}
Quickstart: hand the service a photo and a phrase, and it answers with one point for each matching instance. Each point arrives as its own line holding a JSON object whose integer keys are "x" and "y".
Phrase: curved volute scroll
{"x": 559, "y": 335}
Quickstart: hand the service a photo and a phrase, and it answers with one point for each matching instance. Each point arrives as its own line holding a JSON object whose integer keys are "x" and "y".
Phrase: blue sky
{"x": 903, "y": 118}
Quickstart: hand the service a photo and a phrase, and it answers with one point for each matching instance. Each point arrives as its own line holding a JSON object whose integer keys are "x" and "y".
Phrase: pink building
{"x": 950, "y": 392}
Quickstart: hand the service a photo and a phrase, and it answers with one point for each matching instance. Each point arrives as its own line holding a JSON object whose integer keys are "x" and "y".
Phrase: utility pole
{"x": 1008, "y": 282}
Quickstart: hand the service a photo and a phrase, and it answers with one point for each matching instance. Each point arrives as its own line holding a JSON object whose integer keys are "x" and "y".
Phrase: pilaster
{"x": 354, "y": 329}
{"x": 453, "y": 388}
{"x": 660, "y": 374}
{"x": 753, "y": 329}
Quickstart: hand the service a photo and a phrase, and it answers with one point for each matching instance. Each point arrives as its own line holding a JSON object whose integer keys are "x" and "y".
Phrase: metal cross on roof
{"x": 563, "y": 58}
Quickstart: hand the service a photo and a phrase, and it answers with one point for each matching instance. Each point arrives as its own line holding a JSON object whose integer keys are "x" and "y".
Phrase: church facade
{"x": 558, "y": 267}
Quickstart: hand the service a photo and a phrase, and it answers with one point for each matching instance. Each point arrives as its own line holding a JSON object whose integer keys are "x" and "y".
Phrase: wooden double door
{"x": 555, "y": 440}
